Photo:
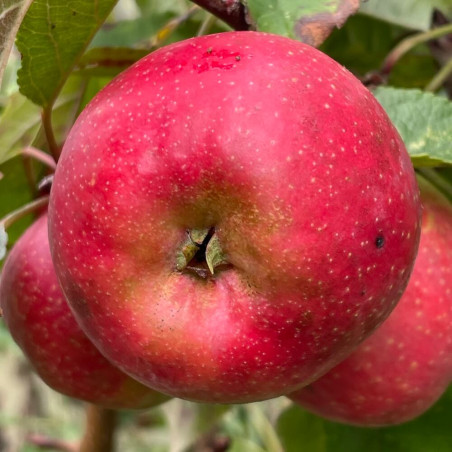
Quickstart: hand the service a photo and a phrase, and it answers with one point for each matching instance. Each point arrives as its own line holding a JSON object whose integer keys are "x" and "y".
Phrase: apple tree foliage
{"x": 66, "y": 51}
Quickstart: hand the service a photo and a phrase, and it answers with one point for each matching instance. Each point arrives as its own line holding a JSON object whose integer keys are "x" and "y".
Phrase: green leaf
{"x": 302, "y": 431}
{"x": 414, "y": 14}
{"x": 414, "y": 70}
{"x": 130, "y": 32}
{"x": 6, "y": 341}
{"x": 208, "y": 415}
{"x": 264, "y": 428}
{"x": 92, "y": 87}
{"x": 51, "y": 39}
{"x": 158, "y": 26}
{"x": 19, "y": 124}
{"x": 310, "y": 21}
{"x": 423, "y": 120}
{"x": 149, "y": 7}
{"x": 253, "y": 424}
{"x": 14, "y": 193}
{"x": 11, "y": 14}
{"x": 296, "y": 426}
{"x": 445, "y": 6}
{"x": 9, "y": 84}
{"x": 244, "y": 444}
{"x": 362, "y": 43}
{"x": 21, "y": 119}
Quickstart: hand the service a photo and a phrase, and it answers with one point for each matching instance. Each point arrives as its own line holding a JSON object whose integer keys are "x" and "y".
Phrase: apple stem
{"x": 12, "y": 217}
{"x": 163, "y": 33}
{"x": 17, "y": 214}
{"x": 232, "y": 12}
{"x": 41, "y": 156}
{"x": 412, "y": 41}
{"x": 31, "y": 153}
{"x": 438, "y": 80}
{"x": 48, "y": 130}
{"x": 29, "y": 173}
{"x": 206, "y": 25}
{"x": 100, "y": 430}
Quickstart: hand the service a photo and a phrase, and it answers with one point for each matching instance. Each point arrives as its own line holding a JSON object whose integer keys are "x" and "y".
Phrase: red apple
{"x": 405, "y": 366}
{"x": 231, "y": 216}
{"x": 42, "y": 324}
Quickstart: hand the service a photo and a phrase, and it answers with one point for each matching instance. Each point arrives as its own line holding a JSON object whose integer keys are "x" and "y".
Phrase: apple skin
{"x": 305, "y": 181}
{"x": 406, "y": 365}
{"x": 43, "y": 326}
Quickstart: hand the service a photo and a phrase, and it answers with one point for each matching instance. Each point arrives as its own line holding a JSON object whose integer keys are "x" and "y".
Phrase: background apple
{"x": 405, "y": 366}
{"x": 42, "y": 324}
{"x": 254, "y": 157}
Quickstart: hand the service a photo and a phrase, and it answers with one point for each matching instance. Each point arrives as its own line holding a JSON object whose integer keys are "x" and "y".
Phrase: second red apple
{"x": 40, "y": 321}
{"x": 405, "y": 366}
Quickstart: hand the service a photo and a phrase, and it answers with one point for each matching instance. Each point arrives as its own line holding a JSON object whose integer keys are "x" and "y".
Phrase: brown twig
{"x": 45, "y": 442}
{"x": 408, "y": 43}
{"x": 440, "y": 78}
{"x": 48, "y": 130}
{"x": 15, "y": 215}
{"x": 206, "y": 25}
{"x": 39, "y": 155}
{"x": 29, "y": 173}
{"x": 162, "y": 34}
{"x": 232, "y": 12}
{"x": 100, "y": 430}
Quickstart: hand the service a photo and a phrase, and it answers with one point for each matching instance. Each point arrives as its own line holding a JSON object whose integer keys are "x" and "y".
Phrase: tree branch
{"x": 230, "y": 11}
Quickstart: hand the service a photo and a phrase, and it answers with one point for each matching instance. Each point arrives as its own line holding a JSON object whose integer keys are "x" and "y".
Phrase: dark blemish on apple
{"x": 379, "y": 241}
{"x": 52, "y": 26}
{"x": 217, "y": 59}
{"x": 363, "y": 292}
